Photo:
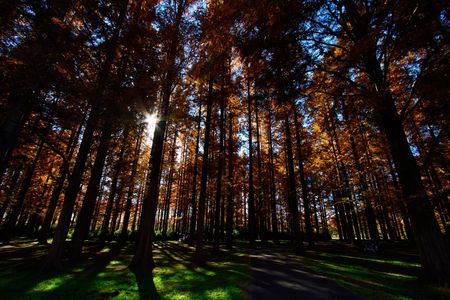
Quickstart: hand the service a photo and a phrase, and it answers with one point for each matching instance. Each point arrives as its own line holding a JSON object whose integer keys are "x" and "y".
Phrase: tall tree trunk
{"x": 143, "y": 257}
{"x": 10, "y": 191}
{"x": 221, "y": 159}
{"x": 403, "y": 208}
{"x": 273, "y": 203}
{"x": 251, "y": 189}
{"x": 230, "y": 187}
{"x": 9, "y": 227}
{"x": 260, "y": 211}
{"x": 433, "y": 250}
{"x": 40, "y": 204}
{"x": 292, "y": 191}
{"x": 301, "y": 170}
{"x": 351, "y": 220}
{"x": 87, "y": 208}
{"x": 126, "y": 218}
{"x": 63, "y": 171}
{"x": 53, "y": 259}
{"x": 115, "y": 220}
{"x": 370, "y": 215}
{"x": 198, "y": 255}
{"x": 194, "y": 179}
{"x": 104, "y": 234}
{"x": 17, "y": 113}
{"x": 169, "y": 184}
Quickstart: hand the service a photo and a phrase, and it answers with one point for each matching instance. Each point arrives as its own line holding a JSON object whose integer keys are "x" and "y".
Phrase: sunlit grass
{"x": 392, "y": 274}
{"x": 107, "y": 276}
{"x": 104, "y": 273}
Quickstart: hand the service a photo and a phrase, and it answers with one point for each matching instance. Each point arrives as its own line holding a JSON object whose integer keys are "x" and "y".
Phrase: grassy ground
{"x": 391, "y": 274}
{"x": 103, "y": 274}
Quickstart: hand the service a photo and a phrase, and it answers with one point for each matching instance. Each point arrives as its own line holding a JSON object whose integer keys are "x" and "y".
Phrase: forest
{"x": 173, "y": 149}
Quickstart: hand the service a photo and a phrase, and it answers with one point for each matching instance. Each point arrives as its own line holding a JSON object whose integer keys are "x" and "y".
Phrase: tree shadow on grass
{"x": 104, "y": 274}
{"x": 223, "y": 274}
{"x": 78, "y": 278}
{"x": 391, "y": 274}
{"x": 374, "y": 263}
{"x": 146, "y": 286}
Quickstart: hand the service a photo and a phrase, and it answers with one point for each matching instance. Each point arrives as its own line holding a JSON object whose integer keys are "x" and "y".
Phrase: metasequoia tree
{"x": 375, "y": 35}
{"x": 201, "y": 120}
{"x": 143, "y": 258}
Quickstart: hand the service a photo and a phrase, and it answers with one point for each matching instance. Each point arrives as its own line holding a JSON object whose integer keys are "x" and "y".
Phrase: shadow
{"x": 81, "y": 272}
{"x": 374, "y": 263}
{"x": 222, "y": 275}
{"x": 170, "y": 250}
{"x": 276, "y": 276}
{"x": 103, "y": 273}
{"x": 146, "y": 286}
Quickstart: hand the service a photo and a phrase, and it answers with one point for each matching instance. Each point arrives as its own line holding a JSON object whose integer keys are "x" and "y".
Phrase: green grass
{"x": 104, "y": 274}
{"x": 392, "y": 274}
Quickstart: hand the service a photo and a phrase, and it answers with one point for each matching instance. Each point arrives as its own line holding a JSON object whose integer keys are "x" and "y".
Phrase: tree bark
{"x": 126, "y": 218}
{"x": 198, "y": 255}
{"x": 301, "y": 171}
{"x": 53, "y": 259}
{"x": 143, "y": 257}
{"x": 273, "y": 203}
{"x": 9, "y": 228}
{"x": 87, "y": 208}
{"x": 194, "y": 180}
{"x": 104, "y": 234}
{"x": 230, "y": 187}
{"x": 219, "y": 175}
{"x": 433, "y": 250}
{"x": 63, "y": 171}
{"x": 292, "y": 192}
{"x": 251, "y": 189}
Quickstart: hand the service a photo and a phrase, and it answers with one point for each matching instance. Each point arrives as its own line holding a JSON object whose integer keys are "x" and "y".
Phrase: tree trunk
{"x": 9, "y": 228}
{"x": 230, "y": 188}
{"x": 10, "y": 191}
{"x": 433, "y": 250}
{"x": 104, "y": 234}
{"x": 16, "y": 115}
{"x": 219, "y": 174}
{"x": 273, "y": 203}
{"x": 53, "y": 260}
{"x": 292, "y": 192}
{"x": 194, "y": 180}
{"x": 126, "y": 218}
{"x": 87, "y": 208}
{"x": 198, "y": 255}
{"x": 63, "y": 171}
{"x": 260, "y": 214}
{"x": 143, "y": 257}
{"x": 166, "y": 209}
{"x": 306, "y": 204}
{"x": 251, "y": 190}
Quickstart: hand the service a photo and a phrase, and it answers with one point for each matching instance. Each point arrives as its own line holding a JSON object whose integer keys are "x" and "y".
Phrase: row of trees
{"x": 271, "y": 119}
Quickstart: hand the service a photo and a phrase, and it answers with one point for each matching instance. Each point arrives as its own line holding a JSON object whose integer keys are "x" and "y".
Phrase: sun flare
{"x": 150, "y": 120}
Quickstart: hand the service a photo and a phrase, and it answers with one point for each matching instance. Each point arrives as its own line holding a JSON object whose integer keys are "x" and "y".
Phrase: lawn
{"x": 391, "y": 274}
{"x": 103, "y": 274}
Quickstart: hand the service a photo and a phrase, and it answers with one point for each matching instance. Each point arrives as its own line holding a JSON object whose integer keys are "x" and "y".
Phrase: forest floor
{"x": 103, "y": 273}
